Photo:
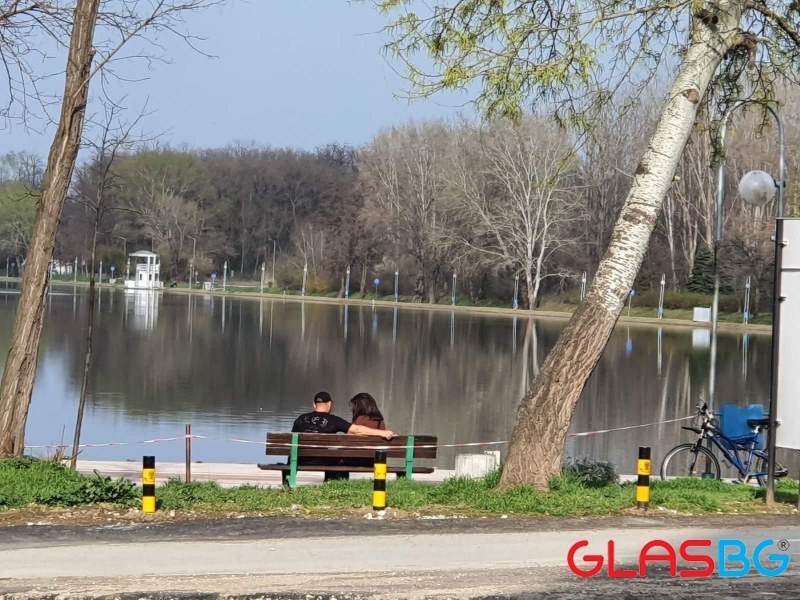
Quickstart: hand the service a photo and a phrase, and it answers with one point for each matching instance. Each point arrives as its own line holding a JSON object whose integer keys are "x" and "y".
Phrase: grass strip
{"x": 28, "y": 481}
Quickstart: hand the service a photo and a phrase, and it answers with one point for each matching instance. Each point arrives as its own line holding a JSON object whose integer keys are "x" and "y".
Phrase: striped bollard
{"x": 643, "y": 479}
{"x": 148, "y": 484}
{"x": 379, "y": 482}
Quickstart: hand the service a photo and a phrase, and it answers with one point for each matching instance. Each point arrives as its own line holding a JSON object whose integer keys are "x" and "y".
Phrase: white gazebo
{"x": 146, "y": 273}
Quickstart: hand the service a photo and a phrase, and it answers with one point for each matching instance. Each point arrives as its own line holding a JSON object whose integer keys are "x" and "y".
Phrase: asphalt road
{"x": 393, "y": 559}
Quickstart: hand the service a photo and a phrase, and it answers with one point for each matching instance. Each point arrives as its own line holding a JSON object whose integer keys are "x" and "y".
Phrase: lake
{"x": 237, "y": 367}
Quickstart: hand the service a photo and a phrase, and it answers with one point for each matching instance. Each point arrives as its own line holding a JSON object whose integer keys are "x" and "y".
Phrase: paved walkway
{"x": 143, "y": 559}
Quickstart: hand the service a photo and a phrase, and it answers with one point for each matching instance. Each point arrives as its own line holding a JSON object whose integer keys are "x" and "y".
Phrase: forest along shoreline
{"x": 293, "y": 296}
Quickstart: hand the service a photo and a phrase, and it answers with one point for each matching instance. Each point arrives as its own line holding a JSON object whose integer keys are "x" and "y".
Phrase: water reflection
{"x": 163, "y": 360}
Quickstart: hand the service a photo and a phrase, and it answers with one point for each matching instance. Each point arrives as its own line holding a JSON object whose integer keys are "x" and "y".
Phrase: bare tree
{"x": 95, "y": 183}
{"x": 515, "y": 186}
{"x": 21, "y": 22}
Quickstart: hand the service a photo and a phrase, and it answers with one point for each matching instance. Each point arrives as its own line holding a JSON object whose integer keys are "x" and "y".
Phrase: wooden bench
{"x": 325, "y": 445}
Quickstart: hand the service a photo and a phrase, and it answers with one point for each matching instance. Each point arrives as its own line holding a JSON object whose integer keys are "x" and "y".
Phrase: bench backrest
{"x": 335, "y": 445}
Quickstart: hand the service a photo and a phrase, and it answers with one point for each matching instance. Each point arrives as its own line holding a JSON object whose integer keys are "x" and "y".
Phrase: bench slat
{"x": 349, "y": 446}
{"x": 341, "y": 468}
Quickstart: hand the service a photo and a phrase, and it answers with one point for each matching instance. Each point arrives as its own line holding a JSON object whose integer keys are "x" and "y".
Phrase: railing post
{"x": 148, "y": 484}
{"x": 379, "y": 482}
{"x": 188, "y": 453}
{"x": 643, "y": 481}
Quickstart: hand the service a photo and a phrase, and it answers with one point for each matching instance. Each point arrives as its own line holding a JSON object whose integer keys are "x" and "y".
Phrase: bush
{"x": 316, "y": 285}
{"x": 591, "y": 473}
{"x": 702, "y": 278}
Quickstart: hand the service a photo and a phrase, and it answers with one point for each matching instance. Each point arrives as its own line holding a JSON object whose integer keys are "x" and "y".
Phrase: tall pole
{"x": 191, "y": 262}
{"x": 305, "y": 275}
{"x": 347, "y": 283}
{"x": 661, "y": 296}
{"x": 100, "y": 274}
{"x": 263, "y": 266}
{"x": 746, "y": 315}
{"x": 720, "y": 203}
{"x": 454, "y": 289}
{"x": 224, "y": 275}
{"x": 515, "y": 302}
{"x": 273, "y": 262}
{"x": 396, "y": 285}
{"x": 74, "y": 271}
{"x": 583, "y": 286}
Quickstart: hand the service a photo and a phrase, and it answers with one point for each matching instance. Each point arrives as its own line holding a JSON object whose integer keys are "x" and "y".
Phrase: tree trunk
{"x": 537, "y": 443}
{"x": 87, "y": 361}
{"x": 20, "y": 368}
{"x": 363, "y": 290}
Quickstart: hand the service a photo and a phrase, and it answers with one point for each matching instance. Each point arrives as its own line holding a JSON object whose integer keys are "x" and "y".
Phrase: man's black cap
{"x": 322, "y": 397}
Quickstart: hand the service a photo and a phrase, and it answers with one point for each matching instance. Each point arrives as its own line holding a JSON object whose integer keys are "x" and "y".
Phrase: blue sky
{"x": 294, "y": 73}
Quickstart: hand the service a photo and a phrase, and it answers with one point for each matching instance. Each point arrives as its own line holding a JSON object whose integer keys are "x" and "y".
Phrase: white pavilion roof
{"x": 143, "y": 254}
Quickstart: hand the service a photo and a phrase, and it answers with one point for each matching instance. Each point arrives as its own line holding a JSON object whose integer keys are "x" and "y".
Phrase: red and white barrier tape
{"x": 264, "y": 443}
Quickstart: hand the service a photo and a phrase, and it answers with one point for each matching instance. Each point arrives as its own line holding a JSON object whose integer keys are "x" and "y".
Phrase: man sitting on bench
{"x": 320, "y": 420}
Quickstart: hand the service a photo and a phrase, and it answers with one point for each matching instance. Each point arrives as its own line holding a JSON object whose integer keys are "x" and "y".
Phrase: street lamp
{"x": 755, "y": 187}
{"x": 305, "y": 276}
{"x": 263, "y": 266}
{"x": 454, "y": 289}
{"x": 191, "y": 263}
{"x": 396, "y": 285}
{"x": 273, "y": 260}
{"x": 515, "y": 303}
{"x": 224, "y": 275}
{"x": 347, "y": 283}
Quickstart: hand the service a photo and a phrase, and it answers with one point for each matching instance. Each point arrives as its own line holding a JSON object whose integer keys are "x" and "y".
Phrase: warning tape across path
{"x": 241, "y": 441}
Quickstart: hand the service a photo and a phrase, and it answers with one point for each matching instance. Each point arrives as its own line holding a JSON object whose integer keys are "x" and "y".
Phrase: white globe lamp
{"x": 757, "y": 188}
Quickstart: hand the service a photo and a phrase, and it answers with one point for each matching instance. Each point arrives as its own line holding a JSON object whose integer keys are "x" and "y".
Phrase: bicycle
{"x": 683, "y": 460}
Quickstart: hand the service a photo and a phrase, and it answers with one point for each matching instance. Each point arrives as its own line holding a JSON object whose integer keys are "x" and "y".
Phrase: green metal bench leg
{"x": 410, "y": 458}
{"x": 293, "y": 463}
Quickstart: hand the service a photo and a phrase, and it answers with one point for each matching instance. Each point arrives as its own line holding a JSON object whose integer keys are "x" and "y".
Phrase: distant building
{"x": 147, "y": 271}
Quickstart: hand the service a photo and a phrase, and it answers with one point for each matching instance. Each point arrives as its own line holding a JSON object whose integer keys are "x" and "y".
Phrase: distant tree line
{"x": 489, "y": 202}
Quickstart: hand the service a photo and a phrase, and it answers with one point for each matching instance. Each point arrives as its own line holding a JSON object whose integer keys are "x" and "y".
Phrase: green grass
{"x": 29, "y": 481}
{"x": 25, "y": 481}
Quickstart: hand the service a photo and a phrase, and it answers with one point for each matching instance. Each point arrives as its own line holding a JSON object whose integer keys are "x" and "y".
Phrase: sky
{"x": 297, "y": 73}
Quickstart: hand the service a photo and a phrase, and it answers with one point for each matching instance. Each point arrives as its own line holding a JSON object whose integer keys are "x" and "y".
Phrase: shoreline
{"x": 649, "y": 322}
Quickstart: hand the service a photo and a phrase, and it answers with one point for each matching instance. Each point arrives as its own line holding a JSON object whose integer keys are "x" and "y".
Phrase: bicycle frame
{"x": 732, "y": 454}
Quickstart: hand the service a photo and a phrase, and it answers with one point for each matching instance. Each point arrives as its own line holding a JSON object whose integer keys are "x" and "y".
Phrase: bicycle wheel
{"x": 761, "y": 467}
{"x": 689, "y": 460}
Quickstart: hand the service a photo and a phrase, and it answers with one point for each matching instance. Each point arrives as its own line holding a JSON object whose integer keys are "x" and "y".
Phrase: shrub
{"x": 702, "y": 278}
{"x": 316, "y": 285}
{"x": 590, "y": 472}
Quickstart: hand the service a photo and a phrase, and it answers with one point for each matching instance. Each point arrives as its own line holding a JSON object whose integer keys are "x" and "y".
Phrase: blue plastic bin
{"x": 733, "y": 421}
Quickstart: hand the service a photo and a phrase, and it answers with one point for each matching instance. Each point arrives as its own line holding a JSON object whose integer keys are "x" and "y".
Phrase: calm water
{"x": 236, "y": 368}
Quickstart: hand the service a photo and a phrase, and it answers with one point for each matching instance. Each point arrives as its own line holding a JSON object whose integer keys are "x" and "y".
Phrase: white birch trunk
{"x": 537, "y": 443}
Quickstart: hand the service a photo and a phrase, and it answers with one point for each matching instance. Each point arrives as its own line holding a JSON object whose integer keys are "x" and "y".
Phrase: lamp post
{"x": 263, "y": 266}
{"x": 755, "y": 187}
{"x": 191, "y": 263}
{"x": 515, "y": 302}
{"x": 305, "y": 276}
{"x": 396, "y": 285}
{"x": 224, "y": 275}
{"x": 454, "y": 289}
{"x": 74, "y": 271}
{"x": 583, "y": 286}
{"x": 274, "y": 246}
{"x": 661, "y": 296}
{"x": 347, "y": 283}
{"x": 746, "y": 315}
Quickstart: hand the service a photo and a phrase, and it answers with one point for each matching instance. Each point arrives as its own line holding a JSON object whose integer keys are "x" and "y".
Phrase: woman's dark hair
{"x": 364, "y": 404}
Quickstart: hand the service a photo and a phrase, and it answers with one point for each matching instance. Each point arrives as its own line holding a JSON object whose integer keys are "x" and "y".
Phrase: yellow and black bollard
{"x": 643, "y": 480}
{"x": 148, "y": 484}
{"x": 379, "y": 481}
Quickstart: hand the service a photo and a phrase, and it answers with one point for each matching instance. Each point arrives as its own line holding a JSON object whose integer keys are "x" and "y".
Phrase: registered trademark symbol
{"x": 783, "y": 545}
